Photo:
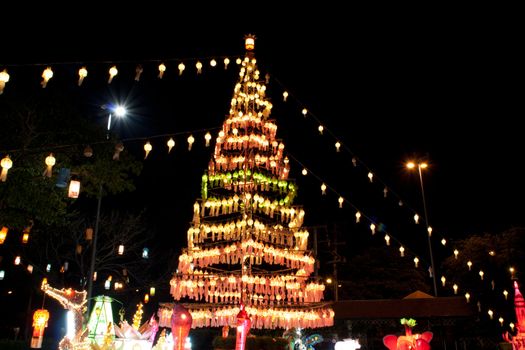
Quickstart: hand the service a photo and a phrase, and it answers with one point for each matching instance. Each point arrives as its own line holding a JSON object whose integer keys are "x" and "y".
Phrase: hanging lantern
{"x": 74, "y": 189}
{"x": 243, "y": 328}
{"x": 467, "y": 296}
{"x": 138, "y": 72}
{"x": 63, "y": 177}
{"x": 505, "y": 294}
{"x": 25, "y": 235}
{"x": 40, "y": 318}
{"x": 6, "y": 164}
{"x": 162, "y": 69}
{"x": 198, "y": 65}
{"x": 152, "y": 291}
{"x": 338, "y": 146}
{"x": 304, "y": 172}
{"x": 113, "y": 71}
{"x": 50, "y": 161}
{"x": 190, "y": 140}
{"x": 249, "y": 42}
{"x": 3, "y": 234}
{"x": 305, "y": 112}
{"x": 119, "y": 147}
{"x": 402, "y": 251}
{"x": 416, "y": 218}
{"x": 89, "y": 234}
{"x": 213, "y": 62}
{"x": 46, "y": 75}
{"x": 387, "y": 239}
{"x": 455, "y": 287}
{"x": 416, "y": 261}
{"x": 180, "y": 326}
{"x": 321, "y": 129}
{"x": 147, "y": 148}
{"x": 120, "y": 249}
{"x": 2, "y": 274}
{"x": 443, "y": 280}
{"x": 4, "y": 78}
{"x": 323, "y": 189}
{"x": 226, "y": 62}
{"x": 456, "y": 253}
{"x": 357, "y": 217}
{"x": 82, "y": 73}
{"x": 145, "y": 253}
{"x": 370, "y": 176}
{"x": 146, "y": 298}
{"x": 373, "y": 228}
{"x": 171, "y": 144}
{"x": 385, "y": 192}
{"x": 469, "y": 264}
{"x": 18, "y": 260}
{"x": 341, "y": 200}
{"x": 207, "y": 137}
{"x": 181, "y": 68}
{"x": 444, "y": 242}
{"x": 481, "y": 274}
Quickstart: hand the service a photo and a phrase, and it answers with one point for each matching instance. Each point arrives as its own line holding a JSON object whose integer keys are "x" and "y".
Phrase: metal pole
{"x": 94, "y": 251}
{"x": 428, "y": 233}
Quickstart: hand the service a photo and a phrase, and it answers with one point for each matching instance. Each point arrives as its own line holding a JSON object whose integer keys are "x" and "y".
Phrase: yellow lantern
{"x": 40, "y": 318}
{"x": 249, "y": 42}
{"x": 82, "y": 73}
{"x": 113, "y": 71}
{"x": 50, "y": 161}
{"x": 6, "y": 164}
{"x": 4, "y": 78}
{"x": 171, "y": 144}
{"x": 162, "y": 69}
{"x": 3, "y": 234}
{"x": 46, "y": 75}
{"x": 147, "y": 148}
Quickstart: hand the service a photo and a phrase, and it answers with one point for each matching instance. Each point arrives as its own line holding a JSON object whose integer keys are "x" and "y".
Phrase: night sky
{"x": 442, "y": 87}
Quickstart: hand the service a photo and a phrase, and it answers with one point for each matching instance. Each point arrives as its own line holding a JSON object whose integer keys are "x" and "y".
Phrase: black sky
{"x": 442, "y": 84}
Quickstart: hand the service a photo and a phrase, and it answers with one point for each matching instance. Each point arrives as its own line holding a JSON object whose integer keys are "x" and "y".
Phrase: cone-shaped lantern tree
{"x": 246, "y": 243}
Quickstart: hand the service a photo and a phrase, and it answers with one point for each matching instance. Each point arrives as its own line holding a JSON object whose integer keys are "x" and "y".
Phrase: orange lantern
{"x": 225, "y": 331}
{"x": 180, "y": 326}
{"x": 3, "y": 234}
{"x": 40, "y": 318}
{"x": 243, "y": 328}
{"x": 6, "y": 164}
{"x": 74, "y": 189}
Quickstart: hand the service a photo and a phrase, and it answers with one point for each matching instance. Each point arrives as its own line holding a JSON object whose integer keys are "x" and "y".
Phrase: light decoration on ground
{"x": 137, "y": 318}
{"x": 40, "y": 318}
{"x": 517, "y": 340}
{"x": 246, "y": 244}
{"x": 409, "y": 340}
{"x": 74, "y": 301}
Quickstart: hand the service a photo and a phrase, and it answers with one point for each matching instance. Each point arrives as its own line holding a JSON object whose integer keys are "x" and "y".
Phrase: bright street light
{"x": 424, "y": 165}
{"x": 119, "y": 111}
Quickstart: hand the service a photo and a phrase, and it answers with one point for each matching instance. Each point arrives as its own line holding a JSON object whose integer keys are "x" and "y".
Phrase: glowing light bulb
{"x": 305, "y": 112}
{"x": 50, "y": 161}
{"x": 213, "y": 63}
{"x": 304, "y": 172}
{"x": 467, "y": 296}
{"x": 469, "y": 264}
{"x": 207, "y": 137}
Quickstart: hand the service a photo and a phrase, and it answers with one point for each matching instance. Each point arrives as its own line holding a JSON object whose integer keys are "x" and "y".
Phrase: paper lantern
{"x": 50, "y": 161}
{"x": 249, "y": 42}
{"x": 40, "y": 318}
{"x": 147, "y": 148}
{"x": 171, "y": 144}
{"x": 180, "y": 326}
{"x": 82, "y": 73}
{"x": 3, "y": 234}
{"x": 4, "y": 78}
{"x": 6, "y": 164}
{"x": 46, "y": 75}
{"x": 74, "y": 189}
{"x": 243, "y": 328}
{"x": 113, "y": 71}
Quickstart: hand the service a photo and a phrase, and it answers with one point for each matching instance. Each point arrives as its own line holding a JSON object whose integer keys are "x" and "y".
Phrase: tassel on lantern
{"x": 50, "y": 161}
{"x": 6, "y": 164}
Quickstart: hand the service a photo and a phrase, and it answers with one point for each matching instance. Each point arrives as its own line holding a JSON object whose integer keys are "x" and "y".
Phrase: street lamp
{"x": 420, "y": 166}
{"x": 120, "y": 111}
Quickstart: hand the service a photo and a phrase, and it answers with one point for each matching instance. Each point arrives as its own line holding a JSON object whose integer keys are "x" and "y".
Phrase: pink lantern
{"x": 408, "y": 341}
{"x": 180, "y": 326}
{"x": 243, "y": 328}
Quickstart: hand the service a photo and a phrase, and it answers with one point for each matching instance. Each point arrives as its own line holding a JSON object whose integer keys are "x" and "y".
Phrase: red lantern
{"x": 243, "y": 328}
{"x": 180, "y": 326}
{"x": 40, "y": 318}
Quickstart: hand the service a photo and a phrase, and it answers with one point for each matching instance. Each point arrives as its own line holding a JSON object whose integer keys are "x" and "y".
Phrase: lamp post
{"x": 420, "y": 166}
{"x": 120, "y": 111}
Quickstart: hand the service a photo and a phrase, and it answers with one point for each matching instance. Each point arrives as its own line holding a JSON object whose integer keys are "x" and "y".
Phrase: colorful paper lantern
{"x": 6, "y": 164}
{"x": 180, "y": 326}
{"x": 74, "y": 189}
{"x": 40, "y": 318}
{"x": 243, "y": 328}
